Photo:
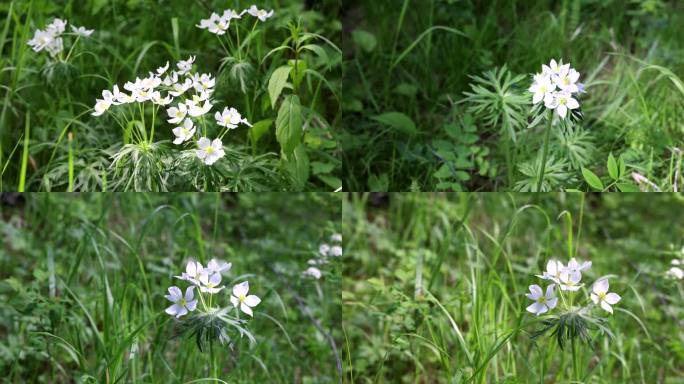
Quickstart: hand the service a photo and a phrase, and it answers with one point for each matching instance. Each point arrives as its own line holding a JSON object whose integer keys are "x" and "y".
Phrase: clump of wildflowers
{"x": 575, "y": 318}
{"x": 556, "y": 86}
{"x": 325, "y": 251}
{"x": 187, "y": 98}
{"x": 52, "y": 41}
{"x": 208, "y": 318}
{"x": 676, "y": 272}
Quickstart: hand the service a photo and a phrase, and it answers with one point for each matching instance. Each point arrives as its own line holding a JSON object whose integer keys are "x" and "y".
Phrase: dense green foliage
{"x": 50, "y": 141}
{"x": 83, "y": 279}
{"x": 434, "y": 287}
{"x": 436, "y": 94}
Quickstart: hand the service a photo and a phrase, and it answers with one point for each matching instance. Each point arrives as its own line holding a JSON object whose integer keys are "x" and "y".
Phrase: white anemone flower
{"x": 196, "y": 110}
{"x": 575, "y": 266}
{"x": 541, "y": 87}
{"x": 241, "y": 298}
{"x": 313, "y": 272}
{"x": 208, "y": 23}
{"x": 600, "y": 295}
{"x": 57, "y": 26}
{"x": 193, "y": 271}
{"x": 185, "y": 66}
{"x": 177, "y": 114}
{"x": 184, "y": 133}
{"x": 209, "y": 151}
{"x": 41, "y": 39}
{"x": 203, "y": 83}
{"x": 553, "y": 271}
{"x": 335, "y": 251}
{"x": 561, "y": 102}
{"x": 542, "y": 303}
{"x": 230, "y": 118}
{"x": 181, "y": 304}
{"x": 180, "y": 88}
{"x": 210, "y": 283}
{"x": 55, "y": 47}
{"x": 260, "y": 14}
{"x": 570, "y": 281}
{"x": 567, "y": 79}
{"x": 675, "y": 273}
{"x": 171, "y": 79}
{"x": 162, "y": 70}
{"x": 82, "y": 31}
{"x": 157, "y": 99}
{"x": 323, "y": 249}
{"x": 101, "y": 106}
{"x": 554, "y": 68}
{"x": 217, "y": 266}
{"x": 336, "y": 238}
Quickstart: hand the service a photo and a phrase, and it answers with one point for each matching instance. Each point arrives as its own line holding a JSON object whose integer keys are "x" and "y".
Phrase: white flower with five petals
{"x": 244, "y": 301}
{"x": 181, "y": 304}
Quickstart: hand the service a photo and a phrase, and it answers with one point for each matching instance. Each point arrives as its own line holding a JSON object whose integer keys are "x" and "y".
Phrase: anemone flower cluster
{"x": 207, "y": 280}
{"x": 188, "y": 97}
{"x": 325, "y": 251}
{"x": 219, "y": 24}
{"x": 555, "y": 86}
{"x": 676, "y": 272}
{"x": 568, "y": 278}
{"x": 51, "y": 40}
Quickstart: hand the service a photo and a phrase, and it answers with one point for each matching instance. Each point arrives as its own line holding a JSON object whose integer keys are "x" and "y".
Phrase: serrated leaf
{"x": 277, "y": 82}
{"x": 298, "y": 166}
{"x": 592, "y": 179}
{"x": 289, "y": 124}
{"x": 613, "y": 171}
{"x": 397, "y": 120}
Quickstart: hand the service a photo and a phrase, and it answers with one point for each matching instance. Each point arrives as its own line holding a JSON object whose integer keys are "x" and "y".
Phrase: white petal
{"x": 182, "y": 311}
{"x": 606, "y": 307}
{"x": 252, "y": 300}
{"x": 191, "y": 268}
{"x": 572, "y": 103}
{"x": 175, "y": 293}
{"x": 600, "y": 286}
{"x": 241, "y": 289}
{"x": 549, "y": 291}
{"x": 235, "y": 301}
{"x": 246, "y": 309}
{"x": 594, "y": 298}
{"x": 612, "y": 298}
{"x": 191, "y": 305}
{"x": 215, "y": 279}
{"x": 562, "y": 110}
{"x": 551, "y": 303}
{"x": 190, "y": 293}
{"x": 537, "y": 308}
{"x": 535, "y": 292}
{"x": 172, "y": 310}
{"x": 537, "y": 97}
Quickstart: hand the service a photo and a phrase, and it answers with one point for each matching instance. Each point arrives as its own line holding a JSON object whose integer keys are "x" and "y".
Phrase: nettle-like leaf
{"x": 277, "y": 82}
{"x": 289, "y": 124}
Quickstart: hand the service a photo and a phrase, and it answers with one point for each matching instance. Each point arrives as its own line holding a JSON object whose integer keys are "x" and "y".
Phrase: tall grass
{"x": 434, "y": 288}
{"x": 83, "y": 279}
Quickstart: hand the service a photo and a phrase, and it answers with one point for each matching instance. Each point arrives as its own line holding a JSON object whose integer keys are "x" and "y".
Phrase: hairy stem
{"x": 545, "y": 154}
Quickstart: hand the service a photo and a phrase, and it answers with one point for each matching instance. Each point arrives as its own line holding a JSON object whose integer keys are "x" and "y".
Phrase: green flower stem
{"x": 575, "y": 361}
{"x": 72, "y": 48}
{"x": 545, "y": 154}
{"x": 237, "y": 34}
{"x": 154, "y": 112}
{"x": 202, "y": 300}
{"x": 250, "y": 33}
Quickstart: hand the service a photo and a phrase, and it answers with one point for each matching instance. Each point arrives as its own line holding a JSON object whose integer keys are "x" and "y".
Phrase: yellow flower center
{"x": 542, "y": 89}
{"x": 542, "y": 300}
{"x": 602, "y": 296}
{"x": 566, "y": 81}
{"x": 179, "y": 113}
{"x": 562, "y": 100}
{"x": 182, "y": 301}
{"x": 242, "y": 298}
{"x": 210, "y": 150}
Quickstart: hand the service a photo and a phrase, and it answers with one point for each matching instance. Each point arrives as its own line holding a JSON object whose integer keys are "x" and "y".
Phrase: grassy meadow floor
{"x": 83, "y": 279}
{"x": 434, "y": 287}
{"x": 417, "y": 119}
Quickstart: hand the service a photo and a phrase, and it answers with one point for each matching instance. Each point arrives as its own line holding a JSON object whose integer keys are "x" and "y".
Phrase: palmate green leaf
{"x": 289, "y": 124}
{"x": 277, "y": 82}
{"x": 397, "y": 120}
